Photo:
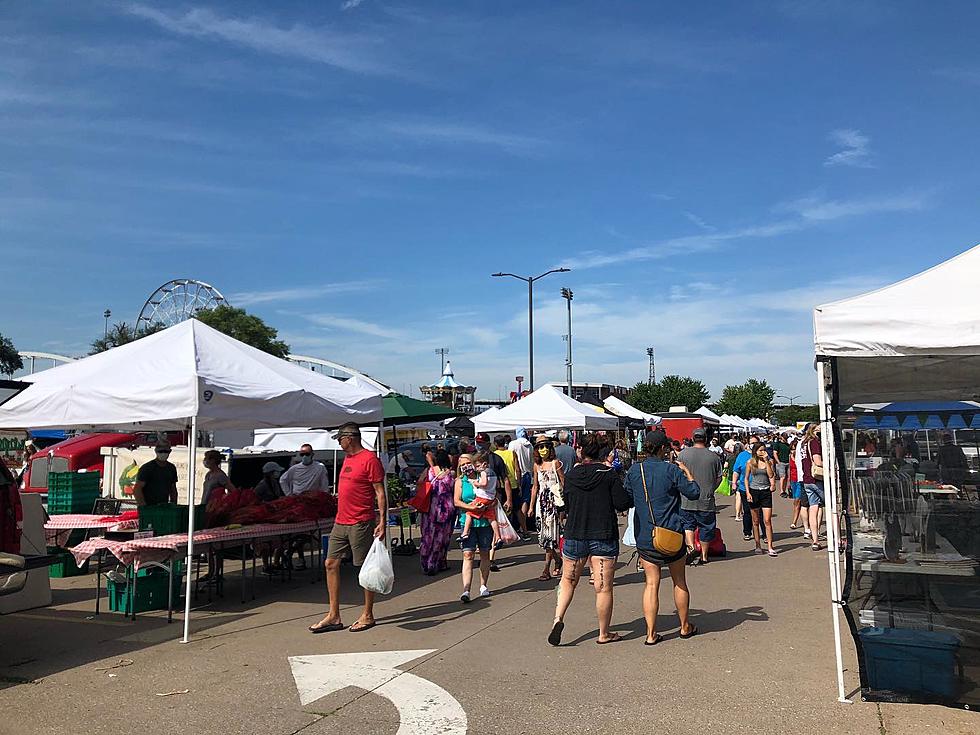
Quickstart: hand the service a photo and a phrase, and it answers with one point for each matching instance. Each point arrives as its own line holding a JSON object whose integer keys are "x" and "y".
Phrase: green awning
{"x": 399, "y": 409}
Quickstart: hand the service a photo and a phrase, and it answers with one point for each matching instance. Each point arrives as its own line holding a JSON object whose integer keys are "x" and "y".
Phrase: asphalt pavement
{"x": 763, "y": 662}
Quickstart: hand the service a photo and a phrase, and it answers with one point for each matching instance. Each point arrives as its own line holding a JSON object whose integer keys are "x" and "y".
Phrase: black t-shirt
{"x": 158, "y": 481}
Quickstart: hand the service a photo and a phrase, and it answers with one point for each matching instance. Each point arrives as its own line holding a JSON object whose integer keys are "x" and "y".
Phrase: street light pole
{"x": 529, "y": 280}
{"x": 791, "y": 399}
{"x": 106, "y": 314}
{"x": 567, "y": 295}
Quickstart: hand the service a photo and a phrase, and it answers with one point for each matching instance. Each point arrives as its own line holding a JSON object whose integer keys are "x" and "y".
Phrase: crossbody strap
{"x": 643, "y": 477}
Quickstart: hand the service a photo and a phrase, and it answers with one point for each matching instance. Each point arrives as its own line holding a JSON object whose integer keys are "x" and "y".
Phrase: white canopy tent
{"x": 192, "y": 377}
{"x": 619, "y": 407}
{"x": 709, "y": 414}
{"x": 736, "y": 421}
{"x": 546, "y": 408}
{"x": 918, "y": 338}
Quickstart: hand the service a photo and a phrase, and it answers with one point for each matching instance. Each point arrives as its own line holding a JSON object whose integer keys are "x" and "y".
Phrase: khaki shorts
{"x": 356, "y": 538}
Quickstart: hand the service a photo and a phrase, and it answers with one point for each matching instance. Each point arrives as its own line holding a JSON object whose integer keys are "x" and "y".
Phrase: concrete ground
{"x": 763, "y": 663}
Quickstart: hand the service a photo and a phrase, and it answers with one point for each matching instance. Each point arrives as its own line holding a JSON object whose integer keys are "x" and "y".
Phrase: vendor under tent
{"x": 189, "y": 376}
{"x": 916, "y": 340}
{"x": 546, "y": 408}
{"x": 620, "y": 407}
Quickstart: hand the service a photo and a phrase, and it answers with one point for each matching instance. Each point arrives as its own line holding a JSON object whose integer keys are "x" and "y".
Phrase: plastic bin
{"x": 72, "y": 492}
{"x": 915, "y": 662}
{"x": 168, "y": 518}
{"x": 151, "y": 591}
{"x": 66, "y": 567}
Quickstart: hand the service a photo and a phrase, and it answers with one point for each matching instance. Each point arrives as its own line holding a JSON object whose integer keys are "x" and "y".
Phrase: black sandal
{"x": 656, "y": 639}
{"x": 554, "y": 637}
{"x": 692, "y": 630}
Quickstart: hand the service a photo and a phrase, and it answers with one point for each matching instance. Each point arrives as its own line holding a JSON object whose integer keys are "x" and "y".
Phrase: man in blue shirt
{"x": 738, "y": 482}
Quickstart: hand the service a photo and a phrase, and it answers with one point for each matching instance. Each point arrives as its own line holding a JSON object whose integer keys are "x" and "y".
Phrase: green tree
{"x": 122, "y": 333}
{"x": 790, "y": 415}
{"x": 671, "y": 390}
{"x": 10, "y": 360}
{"x": 245, "y": 327}
{"x": 752, "y": 399}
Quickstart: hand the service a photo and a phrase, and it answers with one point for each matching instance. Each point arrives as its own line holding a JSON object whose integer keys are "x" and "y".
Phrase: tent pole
{"x": 191, "y": 483}
{"x": 829, "y": 456}
{"x": 384, "y": 479}
{"x": 334, "y": 471}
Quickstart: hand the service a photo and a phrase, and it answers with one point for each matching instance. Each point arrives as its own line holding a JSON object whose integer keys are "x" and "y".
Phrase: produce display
{"x": 244, "y": 508}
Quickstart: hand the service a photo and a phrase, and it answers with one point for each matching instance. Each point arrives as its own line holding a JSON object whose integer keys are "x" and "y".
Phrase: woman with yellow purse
{"x": 657, "y": 486}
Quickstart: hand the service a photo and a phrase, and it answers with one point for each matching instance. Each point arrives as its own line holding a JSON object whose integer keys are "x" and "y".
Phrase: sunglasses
{"x": 546, "y": 445}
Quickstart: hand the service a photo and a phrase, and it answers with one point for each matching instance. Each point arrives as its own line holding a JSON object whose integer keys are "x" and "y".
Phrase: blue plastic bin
{"x": 919, "y": 662}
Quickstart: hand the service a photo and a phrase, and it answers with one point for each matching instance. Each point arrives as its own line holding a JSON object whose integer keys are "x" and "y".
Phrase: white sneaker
{"x": 484, "y": 592}
{"x": 806, "y": 531}
{"x": 465, "y": 598}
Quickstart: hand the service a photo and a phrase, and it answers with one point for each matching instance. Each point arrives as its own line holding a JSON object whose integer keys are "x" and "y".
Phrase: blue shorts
{"x": 575, "y": 549}
{"x": 480, "y": 537}
{"x": 526, "y": 487}
{"x": 702, "y": 521}
{"x": 814, "y": 493}
{"x": 797, "y": 489}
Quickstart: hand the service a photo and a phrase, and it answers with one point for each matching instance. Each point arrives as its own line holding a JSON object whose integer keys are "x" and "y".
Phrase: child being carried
{"x": 484, "y": 483}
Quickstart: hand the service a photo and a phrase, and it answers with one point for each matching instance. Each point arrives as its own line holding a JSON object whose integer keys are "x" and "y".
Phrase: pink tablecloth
{"x": 57, "y": 529}
{"x": 161, "y": 548}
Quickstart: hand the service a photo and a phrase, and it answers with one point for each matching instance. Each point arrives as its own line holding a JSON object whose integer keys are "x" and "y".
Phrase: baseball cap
{"x": 483, "y": 438}
{"x": 699, "y": 434}
{"x": 271, "y": 467}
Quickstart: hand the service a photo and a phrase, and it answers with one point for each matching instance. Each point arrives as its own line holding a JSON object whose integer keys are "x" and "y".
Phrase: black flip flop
{"x": 616, "y": 638}
{"x": 692, "y": 631}
{"x": 656, "y": 639}
{"x": 554, "y": 637}
{"x": 329, "y": 627}
{"x": 363, "y": 626}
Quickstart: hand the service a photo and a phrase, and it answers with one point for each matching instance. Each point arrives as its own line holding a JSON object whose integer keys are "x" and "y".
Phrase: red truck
{"x": 681, "y": 426}
{"x": 83, "y": 452}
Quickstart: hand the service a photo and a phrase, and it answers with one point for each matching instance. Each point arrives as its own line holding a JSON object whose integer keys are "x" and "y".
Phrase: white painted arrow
{"x": 423, "y": 707}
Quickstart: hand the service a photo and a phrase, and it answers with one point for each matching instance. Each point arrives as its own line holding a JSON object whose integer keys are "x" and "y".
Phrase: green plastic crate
{"x": 151, "y": 591}
{"x": 168, "y": 518}
{"x": 72, "y": 492}
{"x": 66, "y": 567}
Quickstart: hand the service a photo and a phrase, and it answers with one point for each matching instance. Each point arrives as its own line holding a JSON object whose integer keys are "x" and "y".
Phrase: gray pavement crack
{"x": 320, "y": 716}
{"x": 881, "y": 719}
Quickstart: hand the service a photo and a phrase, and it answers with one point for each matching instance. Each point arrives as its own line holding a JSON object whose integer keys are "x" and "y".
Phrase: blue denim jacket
{"x": 665, "y": 485}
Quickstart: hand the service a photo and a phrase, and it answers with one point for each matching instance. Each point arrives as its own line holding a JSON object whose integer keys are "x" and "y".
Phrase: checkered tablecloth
{"x": 162, "y": 548}
{"x": 57, "y": 529}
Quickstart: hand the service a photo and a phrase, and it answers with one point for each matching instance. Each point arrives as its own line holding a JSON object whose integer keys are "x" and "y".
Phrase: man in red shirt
{"x": 359, "y": 488}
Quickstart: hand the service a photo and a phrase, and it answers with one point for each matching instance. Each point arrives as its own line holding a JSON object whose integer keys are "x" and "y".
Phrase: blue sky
{"x": 354, "y": 171}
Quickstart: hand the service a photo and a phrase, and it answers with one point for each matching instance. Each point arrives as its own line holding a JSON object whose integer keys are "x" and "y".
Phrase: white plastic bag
{"x": 507, "y": 533}
{"x": 629, "y": 537}
{"x": 377, "y": 574}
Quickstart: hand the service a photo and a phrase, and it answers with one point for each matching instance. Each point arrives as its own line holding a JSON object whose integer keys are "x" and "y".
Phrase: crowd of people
{"x": 573, "y": 499}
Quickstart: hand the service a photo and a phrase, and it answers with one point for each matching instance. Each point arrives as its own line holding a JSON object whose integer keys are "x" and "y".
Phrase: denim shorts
{"x": 526, "y": 484}
{"x": 702, "y": 521}
{"x": 480, "y": 537}
{"x": 814, "y": 493}
{"x": 575, "y": 549}
{"x": 797, "y": 489}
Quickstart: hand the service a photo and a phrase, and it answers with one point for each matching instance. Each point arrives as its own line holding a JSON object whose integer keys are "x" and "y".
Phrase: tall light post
{"x": 529, "y": 280}
{"x": 442, "y": 352}
{"x": 791, "y": 399}
{"x": 566, "y": 293}
{"x": 106, "y": 314}
{"x": 652, "y": 377}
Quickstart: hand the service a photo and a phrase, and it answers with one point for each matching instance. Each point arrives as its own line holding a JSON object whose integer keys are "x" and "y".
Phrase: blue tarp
{"x": 58, "y": 434}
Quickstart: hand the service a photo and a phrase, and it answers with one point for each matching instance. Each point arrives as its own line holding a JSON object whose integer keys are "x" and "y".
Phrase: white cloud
{"x": 351, "y": 4}
{"x": 816, "y": 209}
{"x": 445, "y": 133}
{"x": 350, "y": 52}
{"x": 301, "y": 293}
{"x": 854, "y": 149}
{"x": 691, "y": 217}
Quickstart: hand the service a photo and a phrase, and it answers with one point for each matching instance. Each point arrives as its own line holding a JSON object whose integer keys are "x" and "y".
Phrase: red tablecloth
{"x": 161, "y": 548}
{"x": 57, "y": 529}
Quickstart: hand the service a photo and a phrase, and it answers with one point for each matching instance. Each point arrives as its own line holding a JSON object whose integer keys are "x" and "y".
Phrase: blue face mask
{"x": 306, "y": 459}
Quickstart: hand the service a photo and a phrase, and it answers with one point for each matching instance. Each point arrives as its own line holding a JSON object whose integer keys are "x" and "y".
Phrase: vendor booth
{"x": 188, "y": 377}
{"x": 546, "y": 408}
{"x": 904, "y": 542}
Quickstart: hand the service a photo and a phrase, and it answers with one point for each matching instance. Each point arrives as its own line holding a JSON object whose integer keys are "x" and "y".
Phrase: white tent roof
{"x": 736, "y": 421}
{"x": 161, "y": 381}
{"x": 622, "y": 408}
{"x": 545, "y": 408}
{"x": 290, "y": 439}
{"x": 925, "y": 330}
{"x": 709, "y": 414}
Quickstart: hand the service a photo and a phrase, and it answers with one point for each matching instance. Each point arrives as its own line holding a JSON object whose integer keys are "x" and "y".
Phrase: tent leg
{"x": 381, "y": 438}
{"x": 829, "y": 455}
{"x": 191, "y": 483}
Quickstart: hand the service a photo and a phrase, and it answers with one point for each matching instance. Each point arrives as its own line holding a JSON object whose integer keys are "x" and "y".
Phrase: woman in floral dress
{"x": 437, "y": 525}
{"x": 547, "y": 503}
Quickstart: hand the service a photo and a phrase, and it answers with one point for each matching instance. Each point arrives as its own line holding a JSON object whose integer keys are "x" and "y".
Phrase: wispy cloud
{"x": 444, "y": 133}
{"x": 854, "y": 149}
{"x": 691, "y": 217}
{"x": 350, "y": 52}
{"x": 342, "y": 323}
{"x": 351, "y": 4}
{"x": 807, "y": 212}
{"x": 961, "y": 74}
{"x": 661, "y": 197}
{"x": 301, "y": 293}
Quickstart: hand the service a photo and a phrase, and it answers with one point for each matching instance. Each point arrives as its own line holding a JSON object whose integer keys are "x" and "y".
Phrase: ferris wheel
{"x": 176, "y": 301}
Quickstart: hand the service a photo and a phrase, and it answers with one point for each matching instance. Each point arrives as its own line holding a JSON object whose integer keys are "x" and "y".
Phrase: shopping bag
{"x": 715, "y": 548}
{"x": 629, "y": 537}
{"x": 377, "y": 574}
{"x": 423, "y": 493}
{"x": 507, "y": 533}
{"x": 724, "y": 488}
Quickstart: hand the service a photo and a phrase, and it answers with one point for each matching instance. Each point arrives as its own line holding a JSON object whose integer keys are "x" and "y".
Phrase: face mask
{"x": 163, "y": 455}
{"x": 544, "y": 452}
{"x": 468, "y": 470}
{"x": 306, "y": 459}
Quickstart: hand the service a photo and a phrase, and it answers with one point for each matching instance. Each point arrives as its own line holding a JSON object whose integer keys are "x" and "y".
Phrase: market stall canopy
{"x": 916, "y": 415}
{"x": 188, "y": 370}
{"x": 709, "y": 414}
{"x": 621, "y": 408}
{"x": 290, "y": 439}
{"x": 737, "y": 421}
{"x": 924, "y": 332}
{"x": 400, "y": 409}
{"x": 546, "y": 408}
